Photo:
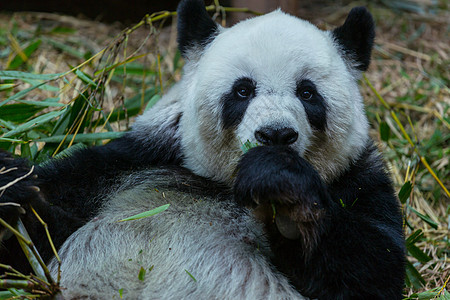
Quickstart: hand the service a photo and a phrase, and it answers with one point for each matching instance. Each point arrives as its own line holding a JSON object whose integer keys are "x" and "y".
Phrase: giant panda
{"x": 310, "y": 212}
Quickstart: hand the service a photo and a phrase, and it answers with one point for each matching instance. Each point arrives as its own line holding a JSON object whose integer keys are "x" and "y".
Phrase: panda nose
{"x": 279, "y": 136}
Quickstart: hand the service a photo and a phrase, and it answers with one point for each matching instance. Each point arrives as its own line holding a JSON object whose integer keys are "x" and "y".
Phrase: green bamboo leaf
{"x": 153, "y": 101}
{"x": 425, "y": 218}
{"x": 14, "y": 294}
{"x": 49, "y": 102}
{"x": 64, "y": 47}
{"x": 62, "y": 29}
{"x": 82, "y": 137}
{"x": 85, "y": 78}
{"x": 45, "y": 87}
{"x": 418, "y": 253}
{"x": 18, "y": 60}
{"x": 248, "y": 145}
{"x": 147, "y": 213}
{"x": 11, "y": 75}
{"x": 11, "y": 140}
{"x": 176, "y": 60}
{"x": 414, "y": 276}
{"x": 193, "y": 278}
{"x": 20, "y": 94}
{"x": 19, "y": 112}
{"x": 33, "y": 123}
{"x": 427, "y": 295}
{"x": 405, "y": 191}
{"x": 142, "y": 273}
{"x": 134, "y": 69}
{"x": 445, "y": 295}
{"x": 385, "y": 131}
{"x": 6, "y": 86}
{"x": 25, "y": 150}
{"x": 414, "y": 237}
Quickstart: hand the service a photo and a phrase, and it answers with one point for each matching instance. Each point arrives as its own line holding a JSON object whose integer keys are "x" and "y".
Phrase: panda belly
{"x": 199, "y": 248}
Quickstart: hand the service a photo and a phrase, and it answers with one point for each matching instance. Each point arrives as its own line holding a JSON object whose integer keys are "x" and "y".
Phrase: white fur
{"x": 275, "y": 50}
{"x": 219, "y": 244}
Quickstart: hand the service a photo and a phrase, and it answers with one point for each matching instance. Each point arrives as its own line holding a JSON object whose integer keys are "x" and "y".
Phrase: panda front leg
{"x": 327, "y": 249}
{"x": 65, "y": 193}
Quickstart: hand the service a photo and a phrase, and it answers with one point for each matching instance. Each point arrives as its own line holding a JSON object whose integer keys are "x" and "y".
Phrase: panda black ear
{"x": 195, "y": 26}
{"x": 356, "y": 37}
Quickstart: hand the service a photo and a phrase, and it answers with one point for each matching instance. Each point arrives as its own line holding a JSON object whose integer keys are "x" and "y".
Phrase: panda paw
{"x": 16, "y": 188}
{"x": 278, "y": 182}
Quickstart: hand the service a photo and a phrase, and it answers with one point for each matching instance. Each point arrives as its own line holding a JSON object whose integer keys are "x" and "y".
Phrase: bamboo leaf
{"x": 33, "y": 123}
{"x": 413, "y": 276}
{"x": 85, "y": 78}
{"x": 20, "y": 94}
{"x": 19, "y": 112}
{"x": 6, "y": 86}
{"x": 10, "y": 75}
{"x": 425, "y": 218}
{"x": 152, "y": 101}
{"x": 190, "y": 275}
{"x": 147, "y": 213}
{"x": 49, "y": 102}
{"x": 414, "y": 237}
{"x": 62, "y": 29}
{"x": 18, "y": 60}
{"x": 82, "y": 137}
{"x": 142, "y": 273}
{"x": 405, "y": 191}
{"x": 247, "y": 146}
{"x": 418, "y": 253}
{"x": 64, "y": 47}
{"x": 45, "y": 87}
{"x": 385, "y": 131}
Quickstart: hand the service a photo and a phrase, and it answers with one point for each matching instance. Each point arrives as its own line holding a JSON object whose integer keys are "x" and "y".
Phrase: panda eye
{"x": 244, "y": 89}
{"x": 306, "y": 90}
{"x": 244, "y": 92}
{"x": 306, "y": 94}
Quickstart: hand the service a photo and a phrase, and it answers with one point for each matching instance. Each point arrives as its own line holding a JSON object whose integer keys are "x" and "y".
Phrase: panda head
{"x": 271, "y": 80}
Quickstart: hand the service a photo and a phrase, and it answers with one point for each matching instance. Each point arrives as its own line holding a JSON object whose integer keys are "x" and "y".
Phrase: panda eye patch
{"x": 244, "y": 89}
{"x": 313, "y": 102}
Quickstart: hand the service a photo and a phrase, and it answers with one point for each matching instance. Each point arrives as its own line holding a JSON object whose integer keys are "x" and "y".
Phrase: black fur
{"x": 356, "y": 36}
{"x": 315, "y": 107}
{"x": 71, "y": 188}
{"x": 195, "y": 27}
{"x": 356, "y": 249}
{"x": 234, "y": 105}
{"x": 10, "y": 170}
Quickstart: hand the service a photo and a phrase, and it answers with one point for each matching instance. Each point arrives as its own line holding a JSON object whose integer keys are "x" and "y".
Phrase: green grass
{"x": 59, "y": 92}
